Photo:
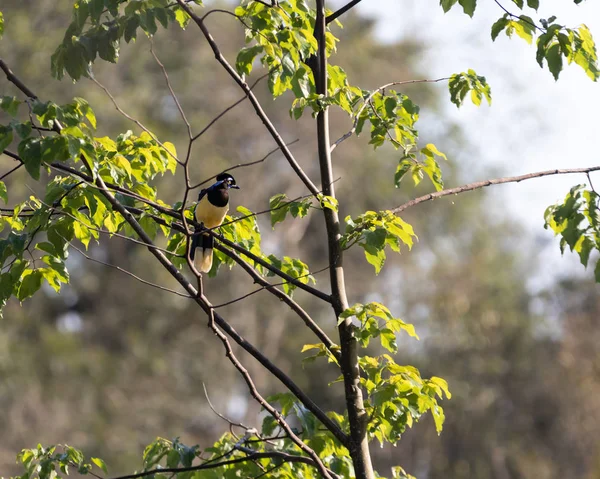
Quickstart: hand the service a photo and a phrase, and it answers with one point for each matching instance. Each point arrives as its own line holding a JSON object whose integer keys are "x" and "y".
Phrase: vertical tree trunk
{"x": 359, "y": 446}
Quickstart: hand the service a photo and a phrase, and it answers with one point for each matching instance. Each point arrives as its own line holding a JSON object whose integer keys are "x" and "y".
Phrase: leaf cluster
{"x": 373, "y": 231}
{"x": 577, "y": 221}
{"x": 397, "y": 396}
{"x": 99, "y": 26}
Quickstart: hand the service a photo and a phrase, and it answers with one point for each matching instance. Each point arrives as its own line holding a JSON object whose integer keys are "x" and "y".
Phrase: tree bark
{"x": 358, "y": 444}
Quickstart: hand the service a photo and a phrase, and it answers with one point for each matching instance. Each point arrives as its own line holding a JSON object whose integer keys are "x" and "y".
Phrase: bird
{"x": 211, "y": 208}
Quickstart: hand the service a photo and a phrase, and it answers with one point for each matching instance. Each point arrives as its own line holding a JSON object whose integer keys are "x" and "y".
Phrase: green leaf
{"x": 461, "y": 83}
{"x": 498, "y": 26}
{"x": 6, "y": 137}
{"x": 31, "y": 153}
{"x": 23, "y": 129}
{"x": 438, "y": 418}
{"x": 524, "y": 28}
{"x": 182, "y": 18}
{"x": 388, "y": 340}
{"x": 468, "y": 6}
{"x": 1, "y": 24}
{"x": 10, "y": 105}
{"x": 442, "y": 384}
{"x": 405, "y": 165}
{"x": 279, "y": 208}
{"x": 31, "y": 283}
{"x": 554, "y": 59}
{"x": 3, "y": 192}
{"x": 535, "y": 4}
{"x": 245, "y": 58}
{"x": 447, "y": 4}
{"x": 328, "y": 202}
{"x": 374, "y": 245}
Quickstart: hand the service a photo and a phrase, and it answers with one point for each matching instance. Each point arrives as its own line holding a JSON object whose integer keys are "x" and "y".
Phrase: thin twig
{"x": 316, "y": 461}
{"x": 242, "y": 165}
{"x": 265, "y": 287}
{"x": 11, "y": 171}
{"x": 130, "y": 118}
{"x": 226, "y": 419}
{"x": 129, "y": 273}
{"x": 484, "y": 183}
{"x": 173, "y": 95}
{"x": 341, "y": 11}
{"x": 519, "y": 17}
{"x": 229, "y": 108}
{"x": 590, "y": 182}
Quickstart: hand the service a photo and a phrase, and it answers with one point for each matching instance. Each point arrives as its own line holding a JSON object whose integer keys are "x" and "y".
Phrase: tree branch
{"x": 314, "y": 327}
{"x": 203, "y": 302}
{"x": 495, "y": 181}
{"x": 316, "y": 461}
{"x": 170, "y": 87}
{"x": 243, "y": 165}
{"x": 10, "y": 76}
{"x": 129, "y": 273}
{"x": 341, "y": 11}
{"x": 357, "y": 416}
{"x": 226, "y": 110}
{"x": 255, "y": 103}
{"x": 253, "y": 457}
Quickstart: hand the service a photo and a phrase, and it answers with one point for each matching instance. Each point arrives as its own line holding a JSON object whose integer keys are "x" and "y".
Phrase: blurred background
{"x": 109, "y": 364}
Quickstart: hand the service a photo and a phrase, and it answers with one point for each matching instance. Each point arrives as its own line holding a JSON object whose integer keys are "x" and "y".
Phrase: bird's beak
{"x": 236, "y": 187}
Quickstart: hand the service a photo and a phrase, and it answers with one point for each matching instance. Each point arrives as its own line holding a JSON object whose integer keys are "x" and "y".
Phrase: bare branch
{"x": 316, "y": 461}
{"x": 369, "y": 98}
{"x": 308, "y": 321}
{"x": 229, "y": 108}
{"x": 173, "y": 95}
{"x": 309, "y": 289}
{"x": 14, "y": 156}
{"x": 11, "y": 77}
{"x": 233, "y": 423}
{"x": 495, "y": 181}
{"x": 129, "y": 273}
{"x": 341, "y": 11}
{"x": 130, "y": 118}
{"x": 262, "y": 288}
{"x": 242, "y": 165}
{"x": 12, "y": 170}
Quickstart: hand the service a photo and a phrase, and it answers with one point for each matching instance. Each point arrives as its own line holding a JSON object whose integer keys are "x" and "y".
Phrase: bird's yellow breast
{"x": 210, "y": 214}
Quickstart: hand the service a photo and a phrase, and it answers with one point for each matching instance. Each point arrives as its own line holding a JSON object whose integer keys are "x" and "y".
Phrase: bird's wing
{"x": 196, "y": 237}
{"x": 202, "y": 193}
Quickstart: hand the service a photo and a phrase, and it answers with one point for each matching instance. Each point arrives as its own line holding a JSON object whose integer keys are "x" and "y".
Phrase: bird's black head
{"x": 228, "y": 180}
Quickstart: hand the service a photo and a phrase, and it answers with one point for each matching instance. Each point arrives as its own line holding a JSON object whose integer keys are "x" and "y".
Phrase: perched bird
{"x": 212, "y": 206}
